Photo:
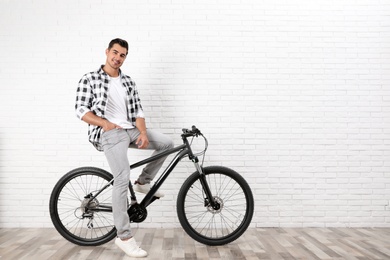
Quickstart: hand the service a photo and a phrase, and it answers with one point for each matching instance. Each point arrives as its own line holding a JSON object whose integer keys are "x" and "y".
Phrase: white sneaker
{"x": 146, "y": 188}
{"x": 130, "y": 247}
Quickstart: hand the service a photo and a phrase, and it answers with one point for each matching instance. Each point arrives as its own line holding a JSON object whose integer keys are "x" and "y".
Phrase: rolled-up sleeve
{"x": 83, "y": 98}
{"x": 139, "y": 112}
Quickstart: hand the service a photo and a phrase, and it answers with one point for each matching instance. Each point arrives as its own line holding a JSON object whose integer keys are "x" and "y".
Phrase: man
{"x": 108, "y": 101}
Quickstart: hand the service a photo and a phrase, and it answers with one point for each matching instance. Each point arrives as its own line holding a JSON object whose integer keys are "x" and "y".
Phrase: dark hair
{"x": 119, "y": 41}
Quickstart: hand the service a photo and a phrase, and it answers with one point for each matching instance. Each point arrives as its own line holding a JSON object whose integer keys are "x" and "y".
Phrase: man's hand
{"x": 107, "y": 126}
{"x": 142, "y": 140}
{"x": 92, "y": 119}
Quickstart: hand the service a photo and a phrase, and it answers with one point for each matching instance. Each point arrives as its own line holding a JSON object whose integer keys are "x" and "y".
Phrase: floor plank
{"x": 256, "y": 243}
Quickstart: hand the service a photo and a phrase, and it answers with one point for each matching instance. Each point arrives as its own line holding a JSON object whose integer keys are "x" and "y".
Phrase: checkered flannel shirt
{"x": 92, "y": 95}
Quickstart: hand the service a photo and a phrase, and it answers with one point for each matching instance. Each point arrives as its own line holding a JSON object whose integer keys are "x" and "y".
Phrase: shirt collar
{"x": 101, "y": 71}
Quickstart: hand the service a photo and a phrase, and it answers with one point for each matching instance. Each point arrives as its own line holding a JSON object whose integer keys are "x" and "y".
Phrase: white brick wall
{"x": 295, "y": 95}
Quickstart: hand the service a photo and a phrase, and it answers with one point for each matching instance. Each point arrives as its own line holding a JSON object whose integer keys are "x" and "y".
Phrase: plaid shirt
{"x": 92, "y": 95}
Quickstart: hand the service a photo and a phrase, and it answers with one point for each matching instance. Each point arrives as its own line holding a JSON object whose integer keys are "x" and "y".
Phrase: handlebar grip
{"x": 194, "y": 131}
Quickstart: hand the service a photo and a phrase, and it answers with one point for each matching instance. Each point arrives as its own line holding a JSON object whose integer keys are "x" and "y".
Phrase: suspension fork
{"x": 203, "y": 181}
{"x": 202, "y": 175}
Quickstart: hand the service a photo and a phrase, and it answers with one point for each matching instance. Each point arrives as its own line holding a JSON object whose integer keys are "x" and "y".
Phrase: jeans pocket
{"x": 111, "y": 137}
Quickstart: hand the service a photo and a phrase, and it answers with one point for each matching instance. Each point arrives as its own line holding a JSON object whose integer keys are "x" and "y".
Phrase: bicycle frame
{"x": 183, "y": 150}
{"x": 149, "y": 198}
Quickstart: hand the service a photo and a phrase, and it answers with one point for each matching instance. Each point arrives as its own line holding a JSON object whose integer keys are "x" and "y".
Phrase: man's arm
{"x": 84, "y": 98}
{"x": 142, "y": 140}
{"x": 93, "y": 119}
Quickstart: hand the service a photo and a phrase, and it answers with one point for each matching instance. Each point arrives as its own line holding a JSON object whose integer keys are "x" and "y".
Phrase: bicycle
{"x": 214, "y": 205}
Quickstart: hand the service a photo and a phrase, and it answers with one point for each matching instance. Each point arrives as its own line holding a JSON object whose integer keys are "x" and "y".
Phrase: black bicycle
{"x": 214, "y": 205}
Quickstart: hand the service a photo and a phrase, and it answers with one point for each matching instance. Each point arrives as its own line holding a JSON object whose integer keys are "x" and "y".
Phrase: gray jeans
{"x": 115, "y": 144}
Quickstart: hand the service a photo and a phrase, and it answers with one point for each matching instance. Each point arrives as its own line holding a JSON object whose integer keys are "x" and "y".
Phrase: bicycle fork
{"x": 209, "y": 200}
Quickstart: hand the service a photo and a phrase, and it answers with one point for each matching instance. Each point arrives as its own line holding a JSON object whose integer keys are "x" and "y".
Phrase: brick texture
{"x": 294, "y": 95}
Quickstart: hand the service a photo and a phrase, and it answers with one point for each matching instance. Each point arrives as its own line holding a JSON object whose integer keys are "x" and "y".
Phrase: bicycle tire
{"x": 67, "y": 209}
{"x": 207, "y": 225}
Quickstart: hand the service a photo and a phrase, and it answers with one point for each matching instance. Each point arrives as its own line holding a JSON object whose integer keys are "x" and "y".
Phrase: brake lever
{"x": 196, "y": 131}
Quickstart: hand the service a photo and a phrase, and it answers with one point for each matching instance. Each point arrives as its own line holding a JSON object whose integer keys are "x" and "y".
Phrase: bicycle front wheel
{"x": 76, "y": 217}
{"x": 222, "y": 224}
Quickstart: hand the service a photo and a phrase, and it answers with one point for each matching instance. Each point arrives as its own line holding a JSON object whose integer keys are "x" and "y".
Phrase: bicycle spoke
{"x": 216, "y": 223}
{"x": 70, "y": 202}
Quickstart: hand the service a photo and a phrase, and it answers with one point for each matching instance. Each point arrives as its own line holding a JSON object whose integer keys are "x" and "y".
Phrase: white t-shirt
{"x": 116, "y": 110}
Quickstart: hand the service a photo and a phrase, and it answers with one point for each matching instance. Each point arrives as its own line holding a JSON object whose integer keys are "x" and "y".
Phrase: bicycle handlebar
{"x": 193, "y": 132}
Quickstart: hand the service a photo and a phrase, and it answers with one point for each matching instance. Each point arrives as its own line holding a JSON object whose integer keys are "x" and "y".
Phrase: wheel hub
{"x": 218, "y": 206}
{"x": 86, "y": 205}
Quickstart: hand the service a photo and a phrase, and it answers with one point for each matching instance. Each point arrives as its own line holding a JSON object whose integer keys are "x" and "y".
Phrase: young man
{"x": 108, "y": 101}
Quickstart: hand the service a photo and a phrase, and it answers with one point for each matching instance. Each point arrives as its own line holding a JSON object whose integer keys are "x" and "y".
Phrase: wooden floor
{"x": 260, "y": 243}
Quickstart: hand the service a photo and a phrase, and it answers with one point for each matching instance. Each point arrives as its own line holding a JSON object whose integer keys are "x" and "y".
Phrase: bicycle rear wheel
{"x": 221, "y": 225}
{"x": 74, "y": 215}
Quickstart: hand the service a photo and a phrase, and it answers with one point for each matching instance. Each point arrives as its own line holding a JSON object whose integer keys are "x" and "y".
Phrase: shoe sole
{"x": 135, "y": 256}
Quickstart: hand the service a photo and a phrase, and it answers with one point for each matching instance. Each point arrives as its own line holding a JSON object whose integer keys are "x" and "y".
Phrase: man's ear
{"x": 107, "y": 51}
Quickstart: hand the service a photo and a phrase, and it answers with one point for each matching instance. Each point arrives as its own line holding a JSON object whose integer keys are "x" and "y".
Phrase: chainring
{"x": 137, "y": 213}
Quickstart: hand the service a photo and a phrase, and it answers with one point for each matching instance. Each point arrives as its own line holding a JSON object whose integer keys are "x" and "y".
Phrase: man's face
{"x": 116, "y": 56}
